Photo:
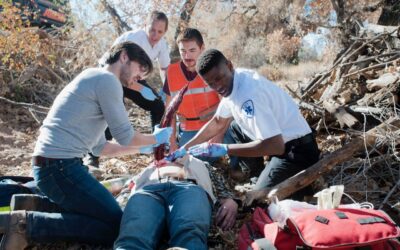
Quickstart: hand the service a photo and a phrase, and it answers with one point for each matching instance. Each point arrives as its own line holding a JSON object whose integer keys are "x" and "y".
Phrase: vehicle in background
{"x": 43, "y": 13}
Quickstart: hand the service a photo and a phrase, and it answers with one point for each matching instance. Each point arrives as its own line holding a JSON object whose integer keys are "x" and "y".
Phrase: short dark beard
{"x": 122, "y": 80}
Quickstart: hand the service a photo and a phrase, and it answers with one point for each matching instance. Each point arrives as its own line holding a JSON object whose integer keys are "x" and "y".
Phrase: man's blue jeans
{"x": 181, "y": 208}
{"x": 91, "y": 213}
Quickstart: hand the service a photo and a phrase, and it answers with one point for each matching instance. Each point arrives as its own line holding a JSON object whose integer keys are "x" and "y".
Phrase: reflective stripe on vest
{"x": 194, "y": 91}
{"x": 199, "y": 102}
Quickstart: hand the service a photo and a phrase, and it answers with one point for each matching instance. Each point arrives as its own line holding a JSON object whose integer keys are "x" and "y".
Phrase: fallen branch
{"x": 310, "y": 106}
{"x": 342, "y": 116}
{"x": 325, "y": 165}
{"x": 371, "y": 58}
{"x": 380, "y": 65}
{"x": 24, "y": 104}
{"x": 397, "y": 185}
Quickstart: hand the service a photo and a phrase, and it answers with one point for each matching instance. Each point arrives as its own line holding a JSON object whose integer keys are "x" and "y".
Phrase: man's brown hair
{"x": 158, "y": 16}
{"x": 190, "y": 34}
{"x": 134, "y": 52}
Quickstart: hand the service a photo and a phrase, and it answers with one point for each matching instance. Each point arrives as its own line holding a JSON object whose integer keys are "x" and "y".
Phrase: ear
{"x": 123, "y": 57}
{"x": 230, "y": 65}
{"x": 203, "y": 47}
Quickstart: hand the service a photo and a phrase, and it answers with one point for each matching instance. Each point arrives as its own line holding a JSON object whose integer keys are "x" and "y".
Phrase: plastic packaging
{"x": 279, "y": 211}
{"x": 330, "y": 197}
{"x": 326, "y": 196}
{"x": 116, "y": 185}
{"x": 337, "y": 195}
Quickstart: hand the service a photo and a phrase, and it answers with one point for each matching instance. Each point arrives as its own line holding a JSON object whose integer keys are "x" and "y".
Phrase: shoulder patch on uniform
{"x": 248, "y": 108}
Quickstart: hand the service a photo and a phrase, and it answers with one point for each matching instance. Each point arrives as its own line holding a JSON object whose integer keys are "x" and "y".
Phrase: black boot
{"x": 14, "y": 225}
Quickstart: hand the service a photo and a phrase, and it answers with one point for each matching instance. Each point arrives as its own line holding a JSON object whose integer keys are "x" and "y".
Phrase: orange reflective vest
{"x": 199, "y": 102}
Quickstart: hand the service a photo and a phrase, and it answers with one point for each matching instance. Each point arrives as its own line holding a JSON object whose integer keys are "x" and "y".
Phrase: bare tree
{"x": 120, "y": 25}
{"x": 185, "y": 15}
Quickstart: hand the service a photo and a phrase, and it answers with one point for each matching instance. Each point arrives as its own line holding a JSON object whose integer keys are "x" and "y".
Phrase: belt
{"x": 171, "y": 178}
{"x": 182, "y": 119}
{"x": 300, "y": 141}
{"x": 204, "y": 117}
{"x": 44, "y": 161}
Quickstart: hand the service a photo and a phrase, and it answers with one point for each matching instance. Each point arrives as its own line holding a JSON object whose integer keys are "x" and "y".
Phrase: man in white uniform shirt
{"x": 264, "y": 119}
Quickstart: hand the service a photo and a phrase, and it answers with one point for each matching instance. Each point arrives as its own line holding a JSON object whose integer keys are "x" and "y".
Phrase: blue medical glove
{"x": 209, "y": 150}
{"x": 179, "y": 153}
{"x": 148, "y": 94}
{"x": 162, "y": 135}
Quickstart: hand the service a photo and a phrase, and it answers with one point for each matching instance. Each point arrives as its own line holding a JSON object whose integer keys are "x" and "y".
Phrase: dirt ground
{"x": 18, "y": 131}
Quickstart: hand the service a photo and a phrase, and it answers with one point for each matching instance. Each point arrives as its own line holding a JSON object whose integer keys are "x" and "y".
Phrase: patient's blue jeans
{"x": 181, "y": 208}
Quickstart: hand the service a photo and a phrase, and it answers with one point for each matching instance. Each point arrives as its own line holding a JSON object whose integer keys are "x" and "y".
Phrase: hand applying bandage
{"x": 181, "y": 152}
{"x": 207, "y": 149}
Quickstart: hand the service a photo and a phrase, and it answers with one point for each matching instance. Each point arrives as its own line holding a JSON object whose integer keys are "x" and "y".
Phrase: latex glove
{"x": 162, "y": 135}
{"x": 207, "y": 149}
{"x": 181, "y": 152}
{"x": 148, "y": 94}
{"x": 226, "y": 214}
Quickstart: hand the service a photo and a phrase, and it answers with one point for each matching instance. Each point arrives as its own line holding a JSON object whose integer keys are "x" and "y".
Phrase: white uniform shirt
{"x": 160, "y": 51}
{"x": 262, "y": 109}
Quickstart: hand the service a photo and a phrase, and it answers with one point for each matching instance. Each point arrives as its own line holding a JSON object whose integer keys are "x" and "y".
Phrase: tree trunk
{"x": 339, "y": 7}
{"x": 119, "y": 24}
{"x": 186, "y": 14}
{"x": 390, "y": 13}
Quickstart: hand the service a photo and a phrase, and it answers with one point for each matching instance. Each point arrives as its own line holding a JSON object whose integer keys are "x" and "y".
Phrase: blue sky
{"x": 86, "y": 12}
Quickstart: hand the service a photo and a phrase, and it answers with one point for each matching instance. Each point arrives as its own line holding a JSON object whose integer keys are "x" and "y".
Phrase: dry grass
{"x": 292, "y": 74}
{"x": 244, "y": 27}
{"x": 282, "y": 47}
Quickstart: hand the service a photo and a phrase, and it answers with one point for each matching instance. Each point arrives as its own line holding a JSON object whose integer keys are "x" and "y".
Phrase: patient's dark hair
{"x": 134, "y": 52}
{"x": 208, "y": 60}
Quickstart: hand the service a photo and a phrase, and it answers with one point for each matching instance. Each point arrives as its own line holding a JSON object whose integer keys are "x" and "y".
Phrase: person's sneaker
{"x": 33, "y": 202}
{"x": 15, "y": 230}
